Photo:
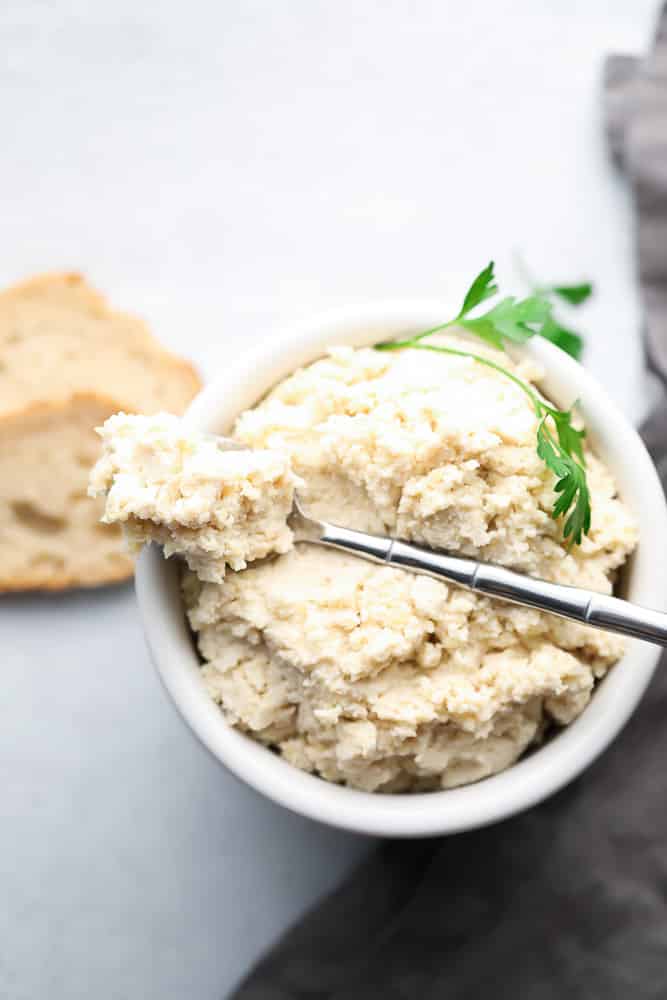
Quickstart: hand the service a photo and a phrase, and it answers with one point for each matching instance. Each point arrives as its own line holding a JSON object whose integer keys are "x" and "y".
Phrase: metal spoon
{"x": 575, "y": 603}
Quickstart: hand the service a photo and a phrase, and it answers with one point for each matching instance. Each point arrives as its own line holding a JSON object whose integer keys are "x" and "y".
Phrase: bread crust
{"x": 66, "y": 581}
{"x": 70, "y": 292}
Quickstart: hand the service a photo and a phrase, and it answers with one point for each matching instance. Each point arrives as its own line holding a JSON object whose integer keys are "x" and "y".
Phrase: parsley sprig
{"x": 559, "y": 442}
{"x": 510, "y": 319}
{"x": 555, "y": 330}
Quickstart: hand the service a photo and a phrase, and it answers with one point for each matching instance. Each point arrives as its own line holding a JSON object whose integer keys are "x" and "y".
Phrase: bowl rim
{"x": 532, "y": 778}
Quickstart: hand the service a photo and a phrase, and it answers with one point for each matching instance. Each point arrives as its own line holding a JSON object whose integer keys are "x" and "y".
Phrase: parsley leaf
{"x": 569, "y": 438}
{"x": 512, "y": 319}
{"x": 571, "y": 486}
{"x": 562, "y": 336}
{"x": 483, "y": 287}
{"x": 574, "y": 294}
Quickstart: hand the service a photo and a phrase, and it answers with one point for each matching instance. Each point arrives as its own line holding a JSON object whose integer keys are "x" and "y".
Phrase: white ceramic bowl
{"x": 241, "y": 385}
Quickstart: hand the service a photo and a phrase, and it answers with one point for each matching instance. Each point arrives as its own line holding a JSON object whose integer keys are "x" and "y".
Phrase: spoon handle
{"x": 585, "y": 606}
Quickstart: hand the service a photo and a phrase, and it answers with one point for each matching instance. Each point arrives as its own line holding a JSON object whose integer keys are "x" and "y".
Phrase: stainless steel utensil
{"x": 585, "y": 606}
{"x": 575, "y": 603}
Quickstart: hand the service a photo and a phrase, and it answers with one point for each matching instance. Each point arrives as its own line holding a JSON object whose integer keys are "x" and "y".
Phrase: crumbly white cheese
{"x": 368, "y": 675}
{"x": 214, "y": 507}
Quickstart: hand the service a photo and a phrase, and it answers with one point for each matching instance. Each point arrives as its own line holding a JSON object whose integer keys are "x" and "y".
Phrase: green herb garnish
{"x": 564, "y": 337}
{"x": 559, "y": 443}
{"x": 574, "y": 294}
{"x": 564, "y": 456}
{"x": 558, "y": 333}
{"x": 511, "y": 319}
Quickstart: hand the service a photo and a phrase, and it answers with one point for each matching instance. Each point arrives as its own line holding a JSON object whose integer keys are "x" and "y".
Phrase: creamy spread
{"x": 371, "y": 676}
{"x": 181, "y": 489}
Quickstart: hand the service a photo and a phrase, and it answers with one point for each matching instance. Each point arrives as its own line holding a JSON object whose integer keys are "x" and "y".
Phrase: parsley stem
{"x": 434, "y": 329}
{"x": 538, "y": 405}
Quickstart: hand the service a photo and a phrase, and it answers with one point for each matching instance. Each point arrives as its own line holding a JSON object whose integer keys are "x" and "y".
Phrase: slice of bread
{"x": 67, "y": 362}
{"x": 50, "y": 534}
{"x": 58, "y": 337}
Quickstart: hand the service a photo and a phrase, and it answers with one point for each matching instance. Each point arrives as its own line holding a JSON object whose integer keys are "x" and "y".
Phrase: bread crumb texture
{"x": 67, "y": 362}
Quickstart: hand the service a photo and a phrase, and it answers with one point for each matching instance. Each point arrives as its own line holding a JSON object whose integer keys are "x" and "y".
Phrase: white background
{"x": 223, "y": 169}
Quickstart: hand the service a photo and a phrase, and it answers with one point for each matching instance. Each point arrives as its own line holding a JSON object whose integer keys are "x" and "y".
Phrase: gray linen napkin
{"x": 569, "y": 899}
